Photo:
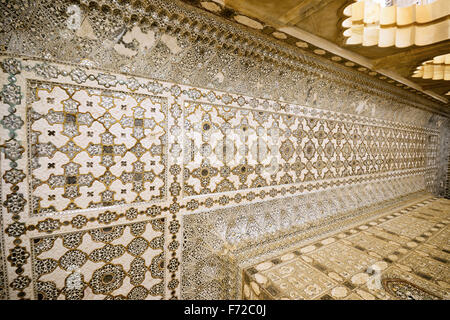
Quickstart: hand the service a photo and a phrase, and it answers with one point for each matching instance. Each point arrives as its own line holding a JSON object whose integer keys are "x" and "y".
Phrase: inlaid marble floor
{"x": 402, "y": 254}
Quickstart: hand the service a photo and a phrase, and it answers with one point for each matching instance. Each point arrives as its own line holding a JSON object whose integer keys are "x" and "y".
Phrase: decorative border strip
{"x": 21, "y": 228}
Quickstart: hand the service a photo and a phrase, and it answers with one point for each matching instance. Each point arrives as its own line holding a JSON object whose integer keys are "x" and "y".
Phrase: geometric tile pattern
{"x": 3, "y": 268}
{"x": 248, "y": 19}
{"x": 360, "y": 262}
{"x": 80, "y": 158}
{"x": 122, "y": 261}
{"x": 94, "y": 148}
{"x": 220, "y": 242}
{"x": 409, "y": 226}
{"x": 87, "y": 149}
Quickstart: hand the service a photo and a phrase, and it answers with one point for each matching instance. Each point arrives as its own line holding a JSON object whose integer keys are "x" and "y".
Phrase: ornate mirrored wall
{"x": 128, "y": 129}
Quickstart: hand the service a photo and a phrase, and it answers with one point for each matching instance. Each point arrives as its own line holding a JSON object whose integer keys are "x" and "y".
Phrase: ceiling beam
{"x": 352, "y": 56}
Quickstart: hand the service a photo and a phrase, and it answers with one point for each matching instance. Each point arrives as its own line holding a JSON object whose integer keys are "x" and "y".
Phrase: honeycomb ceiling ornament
{"x": 387, "y": 23}
{"x": 437, "y": 69}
